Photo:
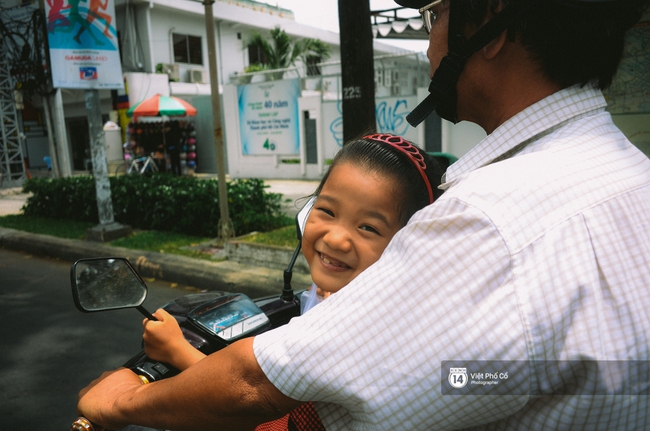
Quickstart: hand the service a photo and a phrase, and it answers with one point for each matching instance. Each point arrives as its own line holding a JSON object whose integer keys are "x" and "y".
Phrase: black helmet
{"x": 442, "y": 89}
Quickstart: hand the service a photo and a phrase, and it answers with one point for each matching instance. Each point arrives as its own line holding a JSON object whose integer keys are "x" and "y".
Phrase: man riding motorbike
{"x": 535, "y": 260}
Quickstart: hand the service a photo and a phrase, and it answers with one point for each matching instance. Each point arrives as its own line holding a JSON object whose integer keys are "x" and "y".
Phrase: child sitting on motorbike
{"x": 372, "y": 188}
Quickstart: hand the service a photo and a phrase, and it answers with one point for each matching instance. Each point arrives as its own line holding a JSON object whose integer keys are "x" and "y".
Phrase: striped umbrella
{"x": 159, "y": 105}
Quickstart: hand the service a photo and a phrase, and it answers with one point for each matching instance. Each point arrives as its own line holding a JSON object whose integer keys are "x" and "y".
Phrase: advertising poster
{"x": 83, "y": 44}
{"x": 268, "y": 116}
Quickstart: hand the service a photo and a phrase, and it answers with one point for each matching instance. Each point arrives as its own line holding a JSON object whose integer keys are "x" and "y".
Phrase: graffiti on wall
{"x": 391, "y": 118}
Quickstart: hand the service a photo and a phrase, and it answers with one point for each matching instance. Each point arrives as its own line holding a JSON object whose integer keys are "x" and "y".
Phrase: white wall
{"x": 234, "y": 23}
{"x": 144, "y": 85}
{"x": 391, "y": 118}
{"x": 156, "y": 19}
{"x": 458, "y": 139}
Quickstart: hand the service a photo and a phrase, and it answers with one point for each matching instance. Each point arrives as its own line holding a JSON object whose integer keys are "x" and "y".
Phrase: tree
{"x": 281, "y": 52}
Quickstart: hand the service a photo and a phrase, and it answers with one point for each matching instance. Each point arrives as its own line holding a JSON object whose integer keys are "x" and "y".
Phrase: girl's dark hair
{"x": 573, "y": 44}
{"x": 378, "y": 157}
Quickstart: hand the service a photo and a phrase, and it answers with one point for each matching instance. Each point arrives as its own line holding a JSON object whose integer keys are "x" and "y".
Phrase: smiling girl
{"x": 372, "y": 188}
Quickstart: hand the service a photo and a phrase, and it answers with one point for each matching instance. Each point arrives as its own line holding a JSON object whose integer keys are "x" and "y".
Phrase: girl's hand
{"x": 322, "y": 293}
{"x": 164, "y": 341}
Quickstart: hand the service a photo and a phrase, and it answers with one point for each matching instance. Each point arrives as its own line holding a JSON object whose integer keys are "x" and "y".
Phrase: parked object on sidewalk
{"x": 134, "y": 164}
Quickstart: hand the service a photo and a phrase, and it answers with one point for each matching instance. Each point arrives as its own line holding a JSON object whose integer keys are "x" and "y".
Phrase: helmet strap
{"x": 442, "y": 96}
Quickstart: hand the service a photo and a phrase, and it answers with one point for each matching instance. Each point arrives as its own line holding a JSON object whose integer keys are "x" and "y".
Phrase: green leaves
{"x": 161, "y": 202}
{"x": 281, "y": 52}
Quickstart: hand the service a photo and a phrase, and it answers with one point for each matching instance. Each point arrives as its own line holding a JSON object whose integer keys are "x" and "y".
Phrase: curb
{"x": 202, "y": 274}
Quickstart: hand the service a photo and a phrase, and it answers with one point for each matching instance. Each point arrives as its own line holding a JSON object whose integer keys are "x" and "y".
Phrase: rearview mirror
{"x": 301, "y": 217}
{"x": 101, "y": 284}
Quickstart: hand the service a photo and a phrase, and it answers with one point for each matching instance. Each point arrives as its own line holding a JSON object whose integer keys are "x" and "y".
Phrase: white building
{"x": 169, "y": 37}
{"x": 154, "y": 30}
{"x": 302, "y": 129}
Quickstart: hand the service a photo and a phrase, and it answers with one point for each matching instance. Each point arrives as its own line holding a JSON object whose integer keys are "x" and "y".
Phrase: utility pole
{"x": 357, "y": 69}
{"x": 63, "y": 156}
{"x": 107, "y": 229}
{"x": 225, "y": 227}
{"x": 47, "y": 110}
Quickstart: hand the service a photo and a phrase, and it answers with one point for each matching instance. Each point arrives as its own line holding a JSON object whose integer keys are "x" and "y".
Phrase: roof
{"x": 397, "y": 23}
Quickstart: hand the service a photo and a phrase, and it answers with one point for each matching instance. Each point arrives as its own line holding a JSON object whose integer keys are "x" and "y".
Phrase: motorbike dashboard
{"x": 230, "y": 317}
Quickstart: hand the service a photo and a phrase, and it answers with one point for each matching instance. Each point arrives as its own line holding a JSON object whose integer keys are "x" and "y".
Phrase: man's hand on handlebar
{"x": 96, "y": 401}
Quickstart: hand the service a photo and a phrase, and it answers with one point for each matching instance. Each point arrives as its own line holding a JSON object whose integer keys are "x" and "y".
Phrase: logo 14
{"x": 457, "y": 377}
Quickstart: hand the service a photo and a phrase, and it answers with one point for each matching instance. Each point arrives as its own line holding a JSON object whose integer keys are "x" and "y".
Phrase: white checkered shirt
{"x": 538, "y": 251}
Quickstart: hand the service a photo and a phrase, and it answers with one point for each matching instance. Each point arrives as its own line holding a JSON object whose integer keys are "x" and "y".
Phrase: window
{"x": 313, "y": 69}
{"x": 187, "y": 49}
{"x": 255, "y": 55}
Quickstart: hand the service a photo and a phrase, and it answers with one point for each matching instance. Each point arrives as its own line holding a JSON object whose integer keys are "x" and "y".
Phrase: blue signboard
{"x": 268, "y": 117}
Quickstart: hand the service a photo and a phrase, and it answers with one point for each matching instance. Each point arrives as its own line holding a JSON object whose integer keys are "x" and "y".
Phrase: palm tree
{"x": 281, "y": 52}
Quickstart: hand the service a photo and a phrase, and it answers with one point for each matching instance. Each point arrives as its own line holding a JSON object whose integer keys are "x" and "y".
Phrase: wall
{"x": 637, "y": 129}
{"x": 157, "y": 19}
{"x": 205, "y": 148}
{"x": 391, "y": 118}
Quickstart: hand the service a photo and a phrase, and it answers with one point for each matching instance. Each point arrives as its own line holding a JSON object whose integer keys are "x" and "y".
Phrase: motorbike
{"x": 210, "y": 321}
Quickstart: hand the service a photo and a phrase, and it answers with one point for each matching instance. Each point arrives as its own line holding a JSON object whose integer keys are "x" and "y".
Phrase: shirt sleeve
{"x": 375, "y": 349}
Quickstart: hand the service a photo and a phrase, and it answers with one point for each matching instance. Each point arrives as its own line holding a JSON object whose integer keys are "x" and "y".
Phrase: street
{"x": 50, "y": 350}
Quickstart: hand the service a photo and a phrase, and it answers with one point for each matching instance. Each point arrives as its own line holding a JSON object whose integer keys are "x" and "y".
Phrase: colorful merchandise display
{"x": 172, "y": 144}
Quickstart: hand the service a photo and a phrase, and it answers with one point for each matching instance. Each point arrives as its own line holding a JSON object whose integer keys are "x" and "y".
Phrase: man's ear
{"x": 495, "y": 45}
{"x": 492, "y": 49}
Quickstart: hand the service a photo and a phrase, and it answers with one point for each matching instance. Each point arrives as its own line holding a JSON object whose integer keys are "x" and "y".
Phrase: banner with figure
{"x": 83, "y": 44}
{"x": 268, "y": 117}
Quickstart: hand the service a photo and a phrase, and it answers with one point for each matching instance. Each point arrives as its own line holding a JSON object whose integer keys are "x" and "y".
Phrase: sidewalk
{"x": 202, "y": 274}
{"x": 11, "y": 200}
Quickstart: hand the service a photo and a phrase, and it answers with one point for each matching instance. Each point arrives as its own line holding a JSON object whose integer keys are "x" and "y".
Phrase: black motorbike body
{"x": 184, "y": 309}
{"x": 209, "y": 321}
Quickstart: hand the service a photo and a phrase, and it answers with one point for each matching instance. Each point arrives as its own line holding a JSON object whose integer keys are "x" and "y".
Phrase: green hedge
{"x": 161, "y": 202}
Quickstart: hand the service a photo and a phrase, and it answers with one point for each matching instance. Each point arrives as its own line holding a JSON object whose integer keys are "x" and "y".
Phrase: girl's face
{"x": 352, "y": 221}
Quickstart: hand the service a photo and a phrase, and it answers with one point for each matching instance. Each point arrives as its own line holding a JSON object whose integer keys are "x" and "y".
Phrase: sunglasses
{"x": 428, "y": 16}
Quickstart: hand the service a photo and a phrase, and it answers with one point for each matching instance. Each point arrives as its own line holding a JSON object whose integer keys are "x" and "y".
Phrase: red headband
{"x": 411, "y": 152}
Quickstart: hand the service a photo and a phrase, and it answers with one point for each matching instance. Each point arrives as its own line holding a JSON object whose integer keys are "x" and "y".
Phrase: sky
{"x": 324, "y": 14}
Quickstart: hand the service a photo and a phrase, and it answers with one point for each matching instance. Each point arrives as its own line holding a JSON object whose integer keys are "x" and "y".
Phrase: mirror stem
{"x": 287, "y": 290}
{"x": 145, "y": 313}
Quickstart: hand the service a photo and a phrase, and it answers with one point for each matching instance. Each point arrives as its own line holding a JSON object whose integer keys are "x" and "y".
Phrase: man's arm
{"x": 226, "y": 390}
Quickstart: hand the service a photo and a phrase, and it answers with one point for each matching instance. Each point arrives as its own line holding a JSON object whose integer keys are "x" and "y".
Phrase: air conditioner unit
{"x": 171, "y": 70}
{"x": 198, "y": 76}
{"x": 388, "y": 78}
{"x": 379, "y": 77}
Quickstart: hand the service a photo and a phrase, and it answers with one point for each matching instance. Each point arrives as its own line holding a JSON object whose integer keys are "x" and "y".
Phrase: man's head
{"x": 572, "y": 41}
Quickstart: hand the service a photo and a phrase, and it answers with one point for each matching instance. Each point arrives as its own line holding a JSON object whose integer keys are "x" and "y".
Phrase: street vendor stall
{"x": 154, "y": 131}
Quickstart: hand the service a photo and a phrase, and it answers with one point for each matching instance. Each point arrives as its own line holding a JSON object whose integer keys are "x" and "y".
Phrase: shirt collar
{"x": 524, "y": 127}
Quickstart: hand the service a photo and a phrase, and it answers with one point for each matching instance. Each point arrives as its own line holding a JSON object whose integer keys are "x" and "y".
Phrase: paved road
{"x": 49, "y": 350}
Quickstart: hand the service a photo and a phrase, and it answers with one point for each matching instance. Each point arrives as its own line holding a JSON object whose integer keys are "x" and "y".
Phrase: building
{"x": 297, "y": 128}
